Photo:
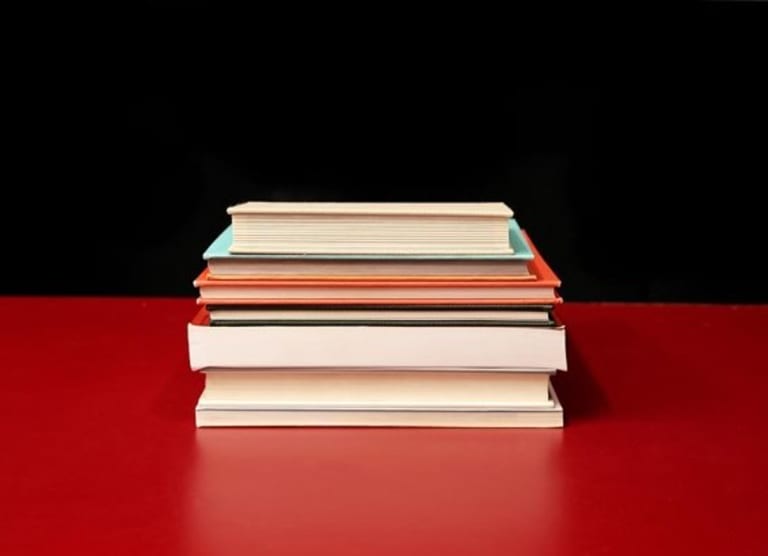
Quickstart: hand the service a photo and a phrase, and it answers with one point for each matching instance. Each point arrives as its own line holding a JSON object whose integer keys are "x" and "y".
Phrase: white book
{"x": 386, "y": 228}
{"x": 372, "y": 389}
{"x": 354, "y": 346}
{"x": 550, "y": 416}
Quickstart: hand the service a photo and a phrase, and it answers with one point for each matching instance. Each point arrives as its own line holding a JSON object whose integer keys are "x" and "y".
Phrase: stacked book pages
{"x": 376, "y": 314}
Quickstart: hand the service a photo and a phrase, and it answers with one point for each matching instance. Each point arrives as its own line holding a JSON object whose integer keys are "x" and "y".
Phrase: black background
{"x": 642, "y": 181}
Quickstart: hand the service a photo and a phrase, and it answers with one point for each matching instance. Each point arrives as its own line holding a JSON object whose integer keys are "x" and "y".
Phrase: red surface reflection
{"x": 346, "y": 491}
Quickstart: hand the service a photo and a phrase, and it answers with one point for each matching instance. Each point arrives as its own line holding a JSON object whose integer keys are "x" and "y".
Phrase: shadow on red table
{"x": 578, "y": 389}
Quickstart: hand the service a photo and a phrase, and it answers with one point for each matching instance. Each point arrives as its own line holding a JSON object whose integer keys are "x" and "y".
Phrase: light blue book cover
{"x": 219, "y": 249}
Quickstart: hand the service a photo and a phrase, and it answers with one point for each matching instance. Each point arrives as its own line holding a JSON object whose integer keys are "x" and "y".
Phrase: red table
{"x": 663, "y": 451}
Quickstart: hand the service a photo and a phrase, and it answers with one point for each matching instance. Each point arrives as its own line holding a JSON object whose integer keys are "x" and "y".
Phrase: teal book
{"x": 219, "y": 249}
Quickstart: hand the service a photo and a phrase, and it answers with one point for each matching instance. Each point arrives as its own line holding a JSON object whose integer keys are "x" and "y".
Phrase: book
{"x": 373, "y": 388}
{"x": 269, "y": 346}
{"x": 225, "y": 291}
{"x": 223, "y": 264}
{"x": 383, "y": 315}
{"x": 541, "y": 290}
{"x": 371, "y": 228}
{"x": 249, "y": 415}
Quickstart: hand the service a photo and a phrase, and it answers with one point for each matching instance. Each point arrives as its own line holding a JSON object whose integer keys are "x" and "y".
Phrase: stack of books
{"x": 376, "y": 314}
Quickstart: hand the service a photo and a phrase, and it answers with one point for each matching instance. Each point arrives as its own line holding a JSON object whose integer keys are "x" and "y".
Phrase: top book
{"x": 371, "y": 228}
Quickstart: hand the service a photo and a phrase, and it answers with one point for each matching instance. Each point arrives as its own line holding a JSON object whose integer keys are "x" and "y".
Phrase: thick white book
{"x": 372, "y": 389}
{"x": 386, "y": 228}
{"x": 356, "y": 346}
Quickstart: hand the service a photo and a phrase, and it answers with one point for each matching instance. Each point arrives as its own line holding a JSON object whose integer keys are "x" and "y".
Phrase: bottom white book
{"x": 245, "y": 415}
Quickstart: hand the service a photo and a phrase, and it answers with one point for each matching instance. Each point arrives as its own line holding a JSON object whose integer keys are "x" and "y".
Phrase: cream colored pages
{"x": 535, "y": 417}
{"x": 469, "y": 419}
{"x": 373, "y": 389}
{"x": 372, "y": 228}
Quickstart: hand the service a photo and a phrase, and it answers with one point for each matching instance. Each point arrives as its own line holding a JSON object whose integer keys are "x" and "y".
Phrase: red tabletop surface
{"x": 663, "y": 452}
